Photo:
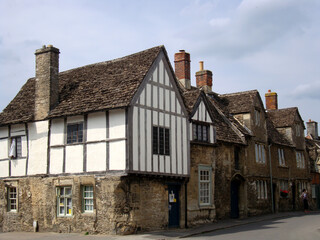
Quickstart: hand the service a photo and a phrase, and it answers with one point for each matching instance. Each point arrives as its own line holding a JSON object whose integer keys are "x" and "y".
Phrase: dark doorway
{"x": 174, "y": 205}
{"x": 274, "y": 190}
{"x": 293, "y": 189}
{"x": 235, "y": 199}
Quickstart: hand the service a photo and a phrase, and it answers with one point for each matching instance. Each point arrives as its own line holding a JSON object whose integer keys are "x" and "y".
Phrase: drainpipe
{"x": 271, "y": 185}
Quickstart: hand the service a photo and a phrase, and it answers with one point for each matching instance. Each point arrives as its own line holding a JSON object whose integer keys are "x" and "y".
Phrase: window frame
{"x": 161, "y": 141}
{"x": 300, "y": 160}
{"x": 84, "y": 198}
{"x": 17, "y": 147}
{"x": 281, "y": 157}
{"x": 204, "y": 182}
{"x": 65, "y": 198}
{"x": 262, "y": 189}
{"x": 257, "y": 117}
{"x": 70, "y": 133}
{"x": 10, "y": 199}
{"x": 260, "y": 153}
{"x": 198, "y": 135}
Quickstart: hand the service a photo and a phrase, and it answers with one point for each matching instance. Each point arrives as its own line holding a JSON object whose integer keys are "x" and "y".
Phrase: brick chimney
{"x": 47, "y": 81}
{"x": 271, "y": 100}
{"x": 312, "y": 129}
{"x": 182, "y": 68}
{"x": 204, "y": 79}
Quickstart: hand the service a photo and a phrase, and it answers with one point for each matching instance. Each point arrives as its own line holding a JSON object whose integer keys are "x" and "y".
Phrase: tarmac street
{"x": 280, "y": 226}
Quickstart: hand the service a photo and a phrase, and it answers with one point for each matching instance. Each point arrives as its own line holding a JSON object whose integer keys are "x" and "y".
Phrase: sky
{"x": 248, "y": 44}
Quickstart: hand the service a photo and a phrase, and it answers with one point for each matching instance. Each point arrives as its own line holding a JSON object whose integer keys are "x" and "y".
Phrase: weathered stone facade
{"x": 122, "y": 204}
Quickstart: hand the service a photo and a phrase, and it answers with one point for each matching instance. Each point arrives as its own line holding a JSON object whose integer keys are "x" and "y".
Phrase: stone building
{"x": 102, "y": 148}
{"x": 128, "y": 145}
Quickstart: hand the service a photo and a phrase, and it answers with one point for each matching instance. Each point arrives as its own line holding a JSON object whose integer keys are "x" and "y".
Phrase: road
{"x": 304, "y": 227}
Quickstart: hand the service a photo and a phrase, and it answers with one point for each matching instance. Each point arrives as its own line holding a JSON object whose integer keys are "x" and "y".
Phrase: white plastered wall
{"x": 96, "y": 127}
{"x": 96, "y": 157}
{"x": 38, "y": 142}
{"x": 74, "y": 159}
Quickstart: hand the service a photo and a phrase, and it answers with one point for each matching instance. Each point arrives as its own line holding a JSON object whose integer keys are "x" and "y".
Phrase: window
{"x": 260, "y": 153}
{"x": 161, "y": 141}
{"x": 204, "y": 185}
{"x": 75, "y": 133}
{"x": 282, "y": 161}
{"x": 301, "y": 186}
{"x": 314, "y": 191}
{"x": 262, "y": 190}
{"x": 257, "y": 117}
{"x": 298, "y": 130}
{"x": 15, "y": 148}
{"x": 12, "y": 199}
{"x": 284, "y": 189}
{"x": 87, "y": 198}
{"x": 300, "y": 160}
{"x": 200, "y": 132}
{"x": 64, "y": 201}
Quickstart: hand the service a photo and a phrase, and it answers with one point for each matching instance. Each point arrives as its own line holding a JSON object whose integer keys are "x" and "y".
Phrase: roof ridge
{"x": 238, "y": 93}
{"x": 112, "y": 60}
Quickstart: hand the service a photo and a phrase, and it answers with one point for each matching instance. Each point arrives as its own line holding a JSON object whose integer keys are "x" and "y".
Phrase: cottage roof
{"x": 239, "y": 102}
{"x": 275, "y": 136}
{"x": 104, "y": 85}
{"x": 224, "y": 130}
{"x": 284, "y": 117}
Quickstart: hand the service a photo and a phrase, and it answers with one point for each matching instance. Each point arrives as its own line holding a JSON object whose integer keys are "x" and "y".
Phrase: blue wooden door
{"x": 174, "y": 205}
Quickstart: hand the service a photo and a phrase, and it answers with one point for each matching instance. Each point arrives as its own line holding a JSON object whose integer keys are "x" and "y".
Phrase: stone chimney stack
{"x": 47, "y": 81}
{"x": 204, "y": 79}
{"x": 271, "y": 100}
{"x": 312, "y": 129}
{"x": 182, "y": 68}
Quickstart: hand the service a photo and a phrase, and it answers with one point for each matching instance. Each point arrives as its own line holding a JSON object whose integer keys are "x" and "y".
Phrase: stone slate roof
{"x": 283, "y": 117}
{"x": 275, "y": 136}
{"x": 240, "y": 102}
{"x": 105, "y": 85}
{"x": 223, "y": 129}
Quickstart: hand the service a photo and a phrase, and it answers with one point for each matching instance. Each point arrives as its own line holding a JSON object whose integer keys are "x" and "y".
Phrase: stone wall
{"x": 122, "y": 204}
{"x": 201, "y": 154}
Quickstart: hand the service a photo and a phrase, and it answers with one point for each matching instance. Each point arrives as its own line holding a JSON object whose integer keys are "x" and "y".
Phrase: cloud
{"x": 306, "y": 91}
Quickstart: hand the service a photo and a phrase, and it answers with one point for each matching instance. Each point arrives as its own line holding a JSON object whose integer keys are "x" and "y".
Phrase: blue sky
{"x": 249, "y": 44}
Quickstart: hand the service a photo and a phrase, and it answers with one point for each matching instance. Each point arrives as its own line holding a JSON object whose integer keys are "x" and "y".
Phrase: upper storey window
{"x": 300, "y": 160}
{"x": 257, "y": 117}
{"x": 298, "y": 130}
{"x": 260, "y": 153}
{"x": 282, "y": 161}
{"x": 161, "y": 140}
{"x": 75, "y": 133}
{"x": 200, "y": 132}
{"x": 15, "y": 148}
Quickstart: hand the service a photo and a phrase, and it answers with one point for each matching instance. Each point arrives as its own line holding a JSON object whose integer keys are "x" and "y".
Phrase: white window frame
{"x": 260, "y": 153}
{"x": 62, "y": 201}
{"x": 12, "y": 199}
{"x": 87, "y": 199}
{"x": 262, "y": 189}
{"x": 282, "y": 161}
{"x": 205, "y": 185}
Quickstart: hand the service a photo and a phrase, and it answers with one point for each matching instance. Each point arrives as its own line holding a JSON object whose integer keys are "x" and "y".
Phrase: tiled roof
{"x": 223, "y": 129}
{"x": 240, "y": 102}
{"x": 274, "y": 136}
{"x": 283, "y": 117}
{"x": 105, "y": 85}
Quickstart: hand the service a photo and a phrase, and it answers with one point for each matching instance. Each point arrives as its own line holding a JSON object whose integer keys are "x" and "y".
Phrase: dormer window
{"x": 257, "y": 117}
{"x": 200, "y": 132}
{"x": 298, "y": 130}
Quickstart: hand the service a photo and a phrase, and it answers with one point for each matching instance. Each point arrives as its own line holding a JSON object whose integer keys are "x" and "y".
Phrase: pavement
{"x": 158, "y": 235}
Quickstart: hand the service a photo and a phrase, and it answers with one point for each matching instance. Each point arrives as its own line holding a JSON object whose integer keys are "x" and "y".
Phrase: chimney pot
{"x": 201, "y": 65}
